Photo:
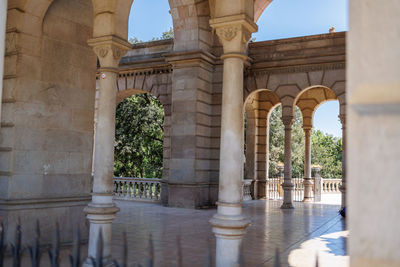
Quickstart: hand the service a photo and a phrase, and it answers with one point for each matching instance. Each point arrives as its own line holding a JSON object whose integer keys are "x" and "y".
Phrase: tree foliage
{"x": 165, "y": 35}
{"x": 139, "y": 137}
{"x": 326, "y": 150}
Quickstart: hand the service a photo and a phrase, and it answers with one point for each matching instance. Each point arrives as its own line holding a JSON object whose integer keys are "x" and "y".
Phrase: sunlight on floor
{"x": 330, "y": 248}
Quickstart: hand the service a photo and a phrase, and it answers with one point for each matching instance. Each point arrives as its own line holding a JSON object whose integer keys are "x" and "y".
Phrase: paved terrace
{"x": 299, "y": 234}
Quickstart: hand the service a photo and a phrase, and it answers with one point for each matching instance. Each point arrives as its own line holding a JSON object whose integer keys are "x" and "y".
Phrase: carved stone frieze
{"x": 11, "y": 42}
{"x": 287, "y": 121}
{"x": 301, "y": 68}
{"x": 101, "y": 51}
{"x": 227, "y": 33}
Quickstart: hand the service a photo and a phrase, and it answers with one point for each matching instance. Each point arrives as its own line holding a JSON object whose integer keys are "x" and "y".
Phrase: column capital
{"x": 287, "y": 121}
{"x": 342, "y": 118}
{"x": 109, "y": 49}
{"x": 234, "y": 32}
{"x": 307, "y": 128}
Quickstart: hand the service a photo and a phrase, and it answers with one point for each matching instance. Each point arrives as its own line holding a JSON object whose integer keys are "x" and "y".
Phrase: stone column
{"x": 342, "y": 188}
{"x": 229, "y": 224}
{"x": 307, "y": 165}
{"x": 287, "y": 181}
{"x": 3, "y": 21}
{"x": 101, "y": 211}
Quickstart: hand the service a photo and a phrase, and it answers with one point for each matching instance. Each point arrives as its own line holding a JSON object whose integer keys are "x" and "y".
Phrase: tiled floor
{"x": 299, "y": 234}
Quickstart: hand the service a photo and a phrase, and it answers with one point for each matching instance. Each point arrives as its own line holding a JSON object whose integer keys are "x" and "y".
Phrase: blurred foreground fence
{"x": 14, "y": 252}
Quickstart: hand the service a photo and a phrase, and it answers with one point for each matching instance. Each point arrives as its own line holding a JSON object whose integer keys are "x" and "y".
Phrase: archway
{"x": 308, "y": 101}
{"x": 258, "y": 106}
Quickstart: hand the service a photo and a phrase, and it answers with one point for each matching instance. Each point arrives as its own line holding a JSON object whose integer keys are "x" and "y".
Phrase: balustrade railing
{"x": 128, "y": 188}
{"x": 331, "y": 186}
{"x": 246, "y": 189}
{"x": 274, "y": 188}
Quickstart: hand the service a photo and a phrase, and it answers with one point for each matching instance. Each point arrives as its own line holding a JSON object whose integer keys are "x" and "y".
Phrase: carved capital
{"x": 227, "y": 33}
{"x": 109, "y": 50}
{"x": 234, "y": 31}
{"x": 11, "y": 42}
{"x": 287, "y": 121}
{"x": 342, "y": 118}
{"x": 307, "y": 128}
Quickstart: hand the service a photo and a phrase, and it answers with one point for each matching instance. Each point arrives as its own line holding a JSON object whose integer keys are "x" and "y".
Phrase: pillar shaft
{"x": 3, "y": 21}
{"x": 343, "y": 186}
{"x": 228, "y": 223}
{"x": 307, "y": 165}
{"x": 231, "y": 149}
{"x": 101, "y": 211}
{"x": 287, "y": 180}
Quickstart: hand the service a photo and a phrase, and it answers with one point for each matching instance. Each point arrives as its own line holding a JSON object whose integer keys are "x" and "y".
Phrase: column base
{"x": 229, "y": 231}
{"x": 308, "y": 200}
{"x": 287, "y": 206}
{"x": 261, "y": 189}
{"x": 342, "y": 189}
{"x": 287, "y": 195}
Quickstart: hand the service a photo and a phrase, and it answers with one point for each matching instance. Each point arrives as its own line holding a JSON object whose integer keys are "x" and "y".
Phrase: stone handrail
{"x": 331, "y": 185}
{"x": 128, "y": 188}
{"x": 327, "y": 186}
{"x": 246, "y": 189}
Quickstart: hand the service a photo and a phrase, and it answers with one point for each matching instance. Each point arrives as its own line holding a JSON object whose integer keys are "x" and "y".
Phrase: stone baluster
{"x": 101, "y": 210}
{"x": 308, "y": 184}
{"x": 342, "y": 188}
{"x": 287, "y": 184}
{"x": 228, "y": 223}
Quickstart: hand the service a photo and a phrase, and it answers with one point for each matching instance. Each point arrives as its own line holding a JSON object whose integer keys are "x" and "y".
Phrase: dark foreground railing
{"x": 16, "y": 251}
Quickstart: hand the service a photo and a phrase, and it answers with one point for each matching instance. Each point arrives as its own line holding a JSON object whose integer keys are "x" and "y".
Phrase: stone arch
{"x": 156, "y": 82}
{"x": 310, "y": 99}
{"x": 191, "y": 24}
{"x": 259, "y": 7}
{"x": 258, "y": 104}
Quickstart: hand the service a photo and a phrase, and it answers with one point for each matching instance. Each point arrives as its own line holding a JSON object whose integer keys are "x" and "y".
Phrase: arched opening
{"x": 139, "y": 137}
{"x": 142, "y": 27}
{"x": 139, "y": 145}
{"x": 258, "y": 106}
{"x": 322, "y": 151}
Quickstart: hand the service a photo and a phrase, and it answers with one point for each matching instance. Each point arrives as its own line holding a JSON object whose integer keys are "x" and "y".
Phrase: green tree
{"x": 276, "y": 143}
{"x": 326, "y": 150}
{"x": 139, "y": 137}
{"x": 165, "y": 35}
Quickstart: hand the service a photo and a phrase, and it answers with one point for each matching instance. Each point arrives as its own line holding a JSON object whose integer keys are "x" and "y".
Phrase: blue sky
{"x": 281, "y": 19}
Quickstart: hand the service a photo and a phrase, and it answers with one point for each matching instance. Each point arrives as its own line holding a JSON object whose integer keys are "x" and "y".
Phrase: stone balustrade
{"x": 274, "y": 188}
{"x": 298, "y": 189}
{"x": 246, "y": 187}
{"x": 128, "y": 188}
{"x": 331, "y": 186}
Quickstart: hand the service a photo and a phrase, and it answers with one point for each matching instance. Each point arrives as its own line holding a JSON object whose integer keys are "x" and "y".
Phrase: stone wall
{"x": 46, "y": 146}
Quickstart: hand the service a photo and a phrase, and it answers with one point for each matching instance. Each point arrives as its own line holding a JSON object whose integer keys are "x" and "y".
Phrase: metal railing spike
{"x": 150, "y": 259}
{"x": 75, "y": 258}
{"x": 35, "y": 250}
{"x": 16, "y": 248}
{"x": 277, "y": 262}
{"x": 54, "y": 253}
{"x": 3, "y": 246}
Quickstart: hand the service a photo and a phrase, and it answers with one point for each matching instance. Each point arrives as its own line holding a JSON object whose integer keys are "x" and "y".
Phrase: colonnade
{"x": 287, "y": 185}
